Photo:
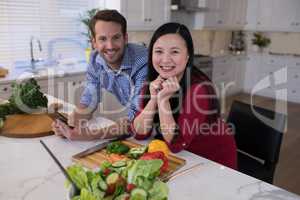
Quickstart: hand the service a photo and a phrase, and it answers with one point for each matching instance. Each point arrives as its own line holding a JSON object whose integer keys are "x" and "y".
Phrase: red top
{"x": 212, "y": 141}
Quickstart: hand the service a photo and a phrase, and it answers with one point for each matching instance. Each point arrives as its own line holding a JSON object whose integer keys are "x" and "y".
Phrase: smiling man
{"x": 116, "y": 66}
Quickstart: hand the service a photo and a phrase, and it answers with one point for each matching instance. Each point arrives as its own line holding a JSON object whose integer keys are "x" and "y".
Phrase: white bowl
{"x": 70, "y": 193}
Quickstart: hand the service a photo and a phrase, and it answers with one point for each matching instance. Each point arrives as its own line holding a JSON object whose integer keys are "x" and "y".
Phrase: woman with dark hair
{"x": 180, "y": 102}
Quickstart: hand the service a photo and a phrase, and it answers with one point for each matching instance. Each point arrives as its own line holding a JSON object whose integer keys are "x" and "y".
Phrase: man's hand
{"x": 78, "y": 117}
{"x": 76, "y": 133}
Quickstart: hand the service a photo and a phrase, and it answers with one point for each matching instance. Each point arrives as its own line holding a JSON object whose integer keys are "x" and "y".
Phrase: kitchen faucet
{"x": 33, "y": 60}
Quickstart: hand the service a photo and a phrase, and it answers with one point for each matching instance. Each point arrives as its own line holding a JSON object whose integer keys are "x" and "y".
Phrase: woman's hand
{"x": 169, "y": 87}
{"x": 155, "y": 87}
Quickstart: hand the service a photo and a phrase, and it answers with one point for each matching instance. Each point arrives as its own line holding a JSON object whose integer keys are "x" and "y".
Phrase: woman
{"x": 180, "y": 102}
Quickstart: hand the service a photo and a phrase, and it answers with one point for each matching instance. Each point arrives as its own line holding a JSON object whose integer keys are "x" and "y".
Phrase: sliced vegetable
{"x": 138, "y": 194}
{"x": 130, "y": 186}
{"x": 117, "y": 147}
{"x": 158, "y": 145}
{"x": 124, "y": 196}
{"x": 112, "y": 178}
{"x": 136, "y": 152}
{"x": 119, "y": 164}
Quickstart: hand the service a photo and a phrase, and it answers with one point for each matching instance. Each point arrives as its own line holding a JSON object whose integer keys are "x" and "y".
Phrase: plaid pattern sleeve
{"x": 91, "y": 93}
{"x": 139, "y": 82}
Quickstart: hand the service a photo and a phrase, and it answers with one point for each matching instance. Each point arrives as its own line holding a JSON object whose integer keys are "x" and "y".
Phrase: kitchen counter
{"x": 28, "y": 173}
{"x": 44, "y": 73}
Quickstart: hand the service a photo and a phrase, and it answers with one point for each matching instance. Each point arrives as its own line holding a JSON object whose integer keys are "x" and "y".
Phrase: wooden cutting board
{"x": 27, "y": 126}
{"x": 94, "y": 160}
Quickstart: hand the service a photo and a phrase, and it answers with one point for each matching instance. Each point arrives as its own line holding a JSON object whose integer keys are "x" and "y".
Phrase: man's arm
{"x": 139, "y": 80}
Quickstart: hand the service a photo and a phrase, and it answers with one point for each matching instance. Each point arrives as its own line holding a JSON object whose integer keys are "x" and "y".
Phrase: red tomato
{"x": 129, "y": 187}
{"x": 157, "y": 155}
{"x": 106, "y": 172}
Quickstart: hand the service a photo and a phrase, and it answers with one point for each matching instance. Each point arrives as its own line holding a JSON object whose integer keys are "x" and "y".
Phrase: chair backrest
{"x": 252, "y": 135}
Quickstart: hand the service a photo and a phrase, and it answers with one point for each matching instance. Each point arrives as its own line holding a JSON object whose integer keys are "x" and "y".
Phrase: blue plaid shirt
{"x": 125, "y": 84}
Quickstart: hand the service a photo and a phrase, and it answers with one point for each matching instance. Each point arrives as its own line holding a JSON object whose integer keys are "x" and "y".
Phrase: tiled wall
{"x": 282, "y": 43}
{"x": 205, "y": 42}
{"x": 216, "y": 43}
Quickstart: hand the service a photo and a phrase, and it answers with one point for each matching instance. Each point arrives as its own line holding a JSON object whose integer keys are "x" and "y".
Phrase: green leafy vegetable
{"x": 25, "y": 98}
{"x": 159, "y": 191}
{"x": 113, "y": 182}
{"x": 117, "y": 147}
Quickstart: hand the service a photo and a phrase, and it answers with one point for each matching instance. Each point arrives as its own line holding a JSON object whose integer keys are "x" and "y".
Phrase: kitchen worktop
{"x": 44, "y": 73}
{"x": 28, "y": 173}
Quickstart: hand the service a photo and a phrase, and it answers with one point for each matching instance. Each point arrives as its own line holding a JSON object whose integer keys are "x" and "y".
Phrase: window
{"x": 50, "y": 21}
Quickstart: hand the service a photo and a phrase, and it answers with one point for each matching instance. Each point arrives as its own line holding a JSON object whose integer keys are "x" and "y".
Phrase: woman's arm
{"x": 144, "y": 120}
{"x": 167, "y": 121}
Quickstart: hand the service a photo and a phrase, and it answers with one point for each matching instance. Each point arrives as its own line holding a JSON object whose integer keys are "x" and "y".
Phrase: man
{"x": 115, "y": 65}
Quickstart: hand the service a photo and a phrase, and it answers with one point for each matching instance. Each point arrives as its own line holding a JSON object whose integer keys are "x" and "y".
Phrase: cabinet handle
{"x": 5, "y": 89}
{"x": 293, "y": 24}
{"x": 293, "y": 91}
{"x": 297, "y": 64}
{"x": 149, "y": 19}
{"x": 296, "y": 76}
{"x": 297, "y": 24}
{"x": 258, "y": 23}
{"x": 220, "y": 21}
{"x": 73, "y": 83}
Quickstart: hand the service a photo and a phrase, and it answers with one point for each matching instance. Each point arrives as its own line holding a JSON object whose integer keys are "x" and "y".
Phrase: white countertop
{"x": 27, "y": 172}
{"x": 44, "y": 73}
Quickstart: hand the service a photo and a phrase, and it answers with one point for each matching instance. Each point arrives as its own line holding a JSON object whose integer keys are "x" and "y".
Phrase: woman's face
{"x": 170, "y": 56}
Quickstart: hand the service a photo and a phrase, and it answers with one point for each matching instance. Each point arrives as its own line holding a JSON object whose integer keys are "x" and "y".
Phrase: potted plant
{"x": 86, "y": 19}
{"x": 260, "y": 41}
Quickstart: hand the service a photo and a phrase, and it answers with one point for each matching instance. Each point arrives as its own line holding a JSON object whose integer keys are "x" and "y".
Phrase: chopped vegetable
{"x": 158, "y": 145}
{"x": 122, "y": 180}
{"x": 157, "y": 155}
{"x": 136, "y": 152}
{"x": 117, "y": 147}
{"x": 138, "y": 194}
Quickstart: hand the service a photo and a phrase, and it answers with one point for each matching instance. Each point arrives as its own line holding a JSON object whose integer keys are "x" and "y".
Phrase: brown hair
{"x": 108, "y": 16}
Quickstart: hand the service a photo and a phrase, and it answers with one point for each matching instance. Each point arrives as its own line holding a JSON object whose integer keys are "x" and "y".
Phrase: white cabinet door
{"x": 223, "y": 13}
{"x": 224, "y": 76}
{"x": 251, "y": 16}
{"x": 297, "y": 20}
{"x": 157, "y": 12}
{"x": 265, "y": 15}
{"x": 285, "y": 12}
{"x": 252, "y": 70}
{"x": 135, "y": 13}
{"x": 142, "y": 14}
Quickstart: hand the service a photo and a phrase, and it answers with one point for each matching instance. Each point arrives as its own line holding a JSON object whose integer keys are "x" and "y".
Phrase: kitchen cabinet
{"x": 141, "y": 14}
{"x": 285, "y": 15}
{"x": 273, "y": 76}
{"x": 265, "y": 14}
{"x": 228, "y": 74}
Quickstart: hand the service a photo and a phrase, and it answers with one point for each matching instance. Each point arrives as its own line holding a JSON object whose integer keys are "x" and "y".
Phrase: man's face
{"x": 110, "y": 42}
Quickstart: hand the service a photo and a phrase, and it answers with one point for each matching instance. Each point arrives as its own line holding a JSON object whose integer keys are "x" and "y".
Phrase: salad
{"x": 136, "y": 178}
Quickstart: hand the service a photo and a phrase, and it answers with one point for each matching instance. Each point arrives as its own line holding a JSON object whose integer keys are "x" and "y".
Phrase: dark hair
{"x": 191, "y": 74}
{"x": 108, "y": 16}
